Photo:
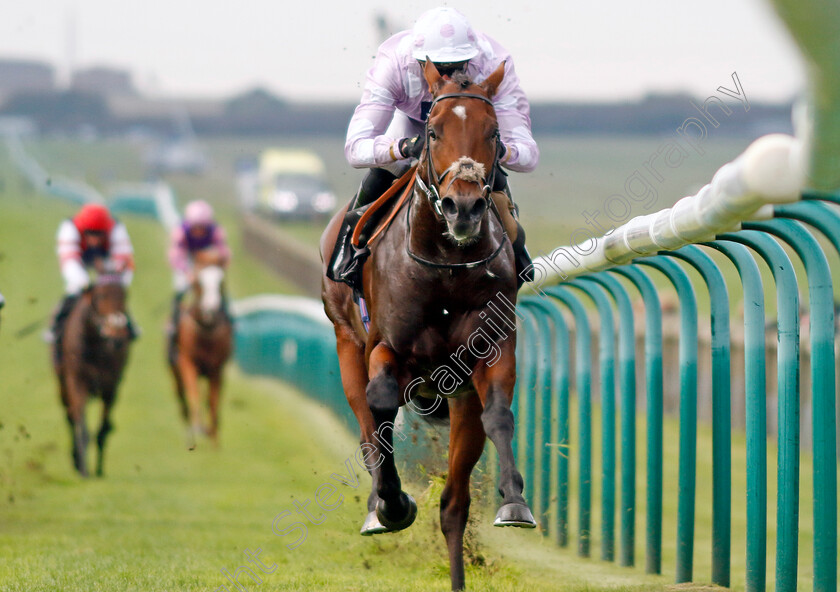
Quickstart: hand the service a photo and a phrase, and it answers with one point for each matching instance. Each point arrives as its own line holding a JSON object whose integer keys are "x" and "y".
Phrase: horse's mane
{"x": 461, "y": 79}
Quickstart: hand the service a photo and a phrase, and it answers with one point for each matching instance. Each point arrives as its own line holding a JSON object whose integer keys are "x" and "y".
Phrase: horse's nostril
{"x": 447, "y": 204}
{"x": 478, "y": 208}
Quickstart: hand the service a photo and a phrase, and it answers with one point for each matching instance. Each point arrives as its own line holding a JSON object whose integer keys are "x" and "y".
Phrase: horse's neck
{"x": 87, "y": 315}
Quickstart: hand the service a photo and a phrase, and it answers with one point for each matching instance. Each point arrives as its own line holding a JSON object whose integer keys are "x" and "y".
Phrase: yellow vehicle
{"x": 292, "y": 184}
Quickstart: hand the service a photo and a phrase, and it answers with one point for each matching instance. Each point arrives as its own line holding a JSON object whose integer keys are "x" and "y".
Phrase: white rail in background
{"x": 770, "y": 171}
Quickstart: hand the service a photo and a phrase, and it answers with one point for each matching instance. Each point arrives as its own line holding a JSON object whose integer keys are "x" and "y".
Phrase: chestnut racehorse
{"x": 204, "y": 336}
{"x": 430, "y": 286}
{"x": 94, "y": 350}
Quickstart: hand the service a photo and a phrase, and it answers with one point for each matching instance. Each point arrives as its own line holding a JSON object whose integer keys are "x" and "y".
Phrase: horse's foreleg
{"x": 75, "y": 395}
{"x": 215, "y": 380}
{"x": 395, "y": 509}
{"x": 189, "y": 376}
{"x": 179, "y": 391}
{"x": 354, "y": 380}
{"x": 466, "y": 443}
{"x": 495, "y": 387}
{"x": 104, "y": 429}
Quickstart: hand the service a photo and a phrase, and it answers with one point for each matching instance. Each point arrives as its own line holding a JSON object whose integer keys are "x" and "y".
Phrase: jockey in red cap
{"x": 89, "y": 240}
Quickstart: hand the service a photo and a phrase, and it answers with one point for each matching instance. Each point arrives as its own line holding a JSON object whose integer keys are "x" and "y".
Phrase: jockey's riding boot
{"x": 176, "y": 309}
{"x": 347, "y": 260}
{"x": 172, "y": 341}
{"x": 226, "y": 308}
{"x": 508, "y": 212}
{"x": 64, "y": 309}
{"x": 134, "y": 331}
{"x": 524, "y": 264}
{"x": 57, "y": 329}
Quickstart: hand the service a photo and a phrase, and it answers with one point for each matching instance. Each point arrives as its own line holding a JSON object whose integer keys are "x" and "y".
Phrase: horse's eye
{"x": 432, "y": 135}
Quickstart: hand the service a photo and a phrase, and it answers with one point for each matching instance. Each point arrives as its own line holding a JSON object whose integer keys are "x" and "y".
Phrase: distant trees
{"x": 66, "y": 111}
{"x": 260, "y": 112}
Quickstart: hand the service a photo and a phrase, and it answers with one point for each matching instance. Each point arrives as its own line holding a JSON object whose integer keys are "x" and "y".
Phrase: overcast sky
{"x": 320, "y": 50}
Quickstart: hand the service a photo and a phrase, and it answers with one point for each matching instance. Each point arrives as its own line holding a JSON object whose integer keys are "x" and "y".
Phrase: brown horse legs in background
{"x": 105, "y": 428}
{"x": 189, "y": 397}
{"x": 75, "y": 408}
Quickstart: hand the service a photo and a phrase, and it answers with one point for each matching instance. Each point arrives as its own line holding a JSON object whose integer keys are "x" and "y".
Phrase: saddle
{"x": 361, "y": 227}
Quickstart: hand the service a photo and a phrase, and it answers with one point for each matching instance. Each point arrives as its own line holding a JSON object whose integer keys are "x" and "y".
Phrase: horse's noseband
{"x": 117, "y": 320}
{"x": 104, "y": 323}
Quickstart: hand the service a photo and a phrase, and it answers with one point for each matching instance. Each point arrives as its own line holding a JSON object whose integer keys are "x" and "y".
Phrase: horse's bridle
{"x": 193, "y": 311}
{"x": 218, "y": 318}
{"x": 102, "y": 322}
{"x": 432, "y": 191}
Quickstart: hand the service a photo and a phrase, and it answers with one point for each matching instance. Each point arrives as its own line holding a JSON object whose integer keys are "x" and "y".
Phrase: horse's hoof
{"x": 393, "y": 525}
{"x": 514, "y": 514}
{"x": 372, "y": 526}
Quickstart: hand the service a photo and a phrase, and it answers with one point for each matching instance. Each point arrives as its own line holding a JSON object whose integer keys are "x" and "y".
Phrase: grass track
{"x": 166, "y": 519}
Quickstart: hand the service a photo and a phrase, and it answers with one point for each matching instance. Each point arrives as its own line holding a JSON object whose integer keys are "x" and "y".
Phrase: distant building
{"x": 25, "y": 76}
{"x": 103, "y": 81}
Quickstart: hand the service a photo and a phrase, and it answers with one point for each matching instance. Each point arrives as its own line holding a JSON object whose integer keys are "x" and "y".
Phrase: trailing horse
{"x": 201, "y": 345}
{"x": 93, "y": 353}
{"x": 433, "y": 282}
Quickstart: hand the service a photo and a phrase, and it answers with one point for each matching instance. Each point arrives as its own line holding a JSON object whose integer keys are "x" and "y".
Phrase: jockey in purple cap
{"x": 197, "y": 232}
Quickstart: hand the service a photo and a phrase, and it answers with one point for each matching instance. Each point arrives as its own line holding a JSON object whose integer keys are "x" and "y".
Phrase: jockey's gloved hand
{"x": 501, "y": 150}
{"x": 412, "y": 147}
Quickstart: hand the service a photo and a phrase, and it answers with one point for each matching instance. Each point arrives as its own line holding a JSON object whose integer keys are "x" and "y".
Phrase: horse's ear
{"x": 433, "y": 77}
{"x": 492, "y": 83}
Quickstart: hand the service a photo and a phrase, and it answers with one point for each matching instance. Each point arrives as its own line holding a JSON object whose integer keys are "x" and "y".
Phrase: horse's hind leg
{"x": 466, "y": 443}
{"x": 495, "y": 387}
{"x": 395, "y": 509}
{"x": 105, "y": 428}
